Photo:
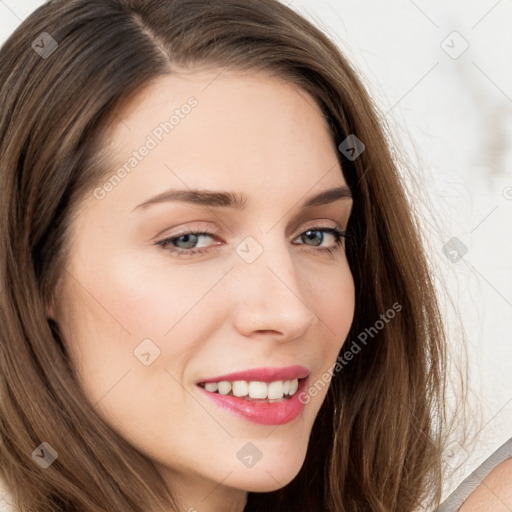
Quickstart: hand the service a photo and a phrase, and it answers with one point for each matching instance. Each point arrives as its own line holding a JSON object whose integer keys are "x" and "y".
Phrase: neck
{"x": 195, "y": 494}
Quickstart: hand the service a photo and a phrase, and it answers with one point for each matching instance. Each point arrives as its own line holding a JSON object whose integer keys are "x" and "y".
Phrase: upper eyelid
{"x": 214, "y": 233}
{"x": 316, "y": 223}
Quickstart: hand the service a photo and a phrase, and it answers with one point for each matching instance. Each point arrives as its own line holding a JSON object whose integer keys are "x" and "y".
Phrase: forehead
{"x": 213, "y": 88}
{"x": 225, "y": 102}
{"x": 207, "y": 129}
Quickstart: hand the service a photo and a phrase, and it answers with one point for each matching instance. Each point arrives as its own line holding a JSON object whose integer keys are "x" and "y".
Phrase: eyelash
{"x": 338, "y": 234}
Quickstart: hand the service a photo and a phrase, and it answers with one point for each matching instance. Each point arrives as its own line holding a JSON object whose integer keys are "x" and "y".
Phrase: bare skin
{"x": 494, "y": 494}
{"x": 212, "y": 313}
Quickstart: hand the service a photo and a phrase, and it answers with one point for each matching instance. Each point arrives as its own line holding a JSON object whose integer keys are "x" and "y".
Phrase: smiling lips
{"x": 258, "y": 383}
{"x": 262, "y": 395}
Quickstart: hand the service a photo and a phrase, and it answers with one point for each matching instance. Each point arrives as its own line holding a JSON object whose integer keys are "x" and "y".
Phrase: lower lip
{"x": 261, "y": 411}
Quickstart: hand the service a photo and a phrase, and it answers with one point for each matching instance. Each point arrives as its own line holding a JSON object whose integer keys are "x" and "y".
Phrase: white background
{"x": 452, "y": 114}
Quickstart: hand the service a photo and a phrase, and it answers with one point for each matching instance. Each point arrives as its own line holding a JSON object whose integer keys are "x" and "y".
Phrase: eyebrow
{"x": 238, "y": 201}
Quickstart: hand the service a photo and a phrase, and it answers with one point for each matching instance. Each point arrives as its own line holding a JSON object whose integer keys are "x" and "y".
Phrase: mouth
{"x": 274, "y": 391}
{"x": 266, "y": 383}
{"x": 262, "y": 409}
{"x": 259, "y": 395}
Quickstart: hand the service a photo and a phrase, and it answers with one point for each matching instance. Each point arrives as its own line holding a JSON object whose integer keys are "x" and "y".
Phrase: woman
{"x": 294, "y": 358}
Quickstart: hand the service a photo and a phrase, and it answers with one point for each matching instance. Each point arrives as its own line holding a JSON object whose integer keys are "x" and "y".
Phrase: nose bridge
{"x": 270, "y": 294}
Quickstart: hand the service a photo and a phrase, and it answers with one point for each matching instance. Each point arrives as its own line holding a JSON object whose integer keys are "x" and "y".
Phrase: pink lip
{"x": 263, "y": 374}
{"x": 261, "y": 411}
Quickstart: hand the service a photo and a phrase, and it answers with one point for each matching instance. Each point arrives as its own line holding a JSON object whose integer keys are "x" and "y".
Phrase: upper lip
{"x": 264, "y": 374}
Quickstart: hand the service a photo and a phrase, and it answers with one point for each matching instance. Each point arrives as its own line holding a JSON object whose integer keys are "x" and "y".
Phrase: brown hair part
{"x": 375, "y": 444}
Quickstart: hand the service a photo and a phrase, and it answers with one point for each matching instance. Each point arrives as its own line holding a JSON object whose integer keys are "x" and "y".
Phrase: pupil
{"x": 308, "y": 234}
{"x": 186, "y": 240}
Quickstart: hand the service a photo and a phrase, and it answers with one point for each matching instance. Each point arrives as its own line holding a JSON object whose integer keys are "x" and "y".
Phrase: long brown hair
{"x": 375, "y": 444}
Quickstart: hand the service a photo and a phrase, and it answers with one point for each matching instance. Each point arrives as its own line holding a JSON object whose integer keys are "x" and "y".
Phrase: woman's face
{"x": 147, "y": 328}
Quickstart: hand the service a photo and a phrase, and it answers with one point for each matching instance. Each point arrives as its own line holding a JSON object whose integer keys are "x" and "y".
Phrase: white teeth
{"x": 224, "y": 387}
{"x": 258, "y": 389}
{"x": 211, "y": 386}
{"x": 275, "y": 389}
{"x": 255, "y": 389}
{"x": 294, "y": 384}
{"x": 240, "y": 388}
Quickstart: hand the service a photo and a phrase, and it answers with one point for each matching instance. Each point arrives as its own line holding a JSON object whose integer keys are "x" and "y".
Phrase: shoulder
{"x": 494, "y": 492}
{"x": 488, "y": 488}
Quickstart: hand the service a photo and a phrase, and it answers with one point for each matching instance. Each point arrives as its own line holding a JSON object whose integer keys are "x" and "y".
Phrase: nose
{"x": 270, "y": 296}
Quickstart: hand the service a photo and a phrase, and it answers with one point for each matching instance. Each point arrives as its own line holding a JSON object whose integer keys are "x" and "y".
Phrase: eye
{"x": 312, "y": 235}
{"x": 185, "y": 244}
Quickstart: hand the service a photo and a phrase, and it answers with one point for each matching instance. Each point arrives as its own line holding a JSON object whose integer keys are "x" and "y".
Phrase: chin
{"x": 267, "y": 478}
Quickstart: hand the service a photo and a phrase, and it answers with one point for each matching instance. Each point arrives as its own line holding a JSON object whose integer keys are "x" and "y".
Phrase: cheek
{"x": 333, "y": 301}
{"x": 125, "y": 311}
{"x": 104, "y": 320}
{"x": 152, "y": 296}
{"x": 109, "y": 309}
{"x": 335, "y": 310}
